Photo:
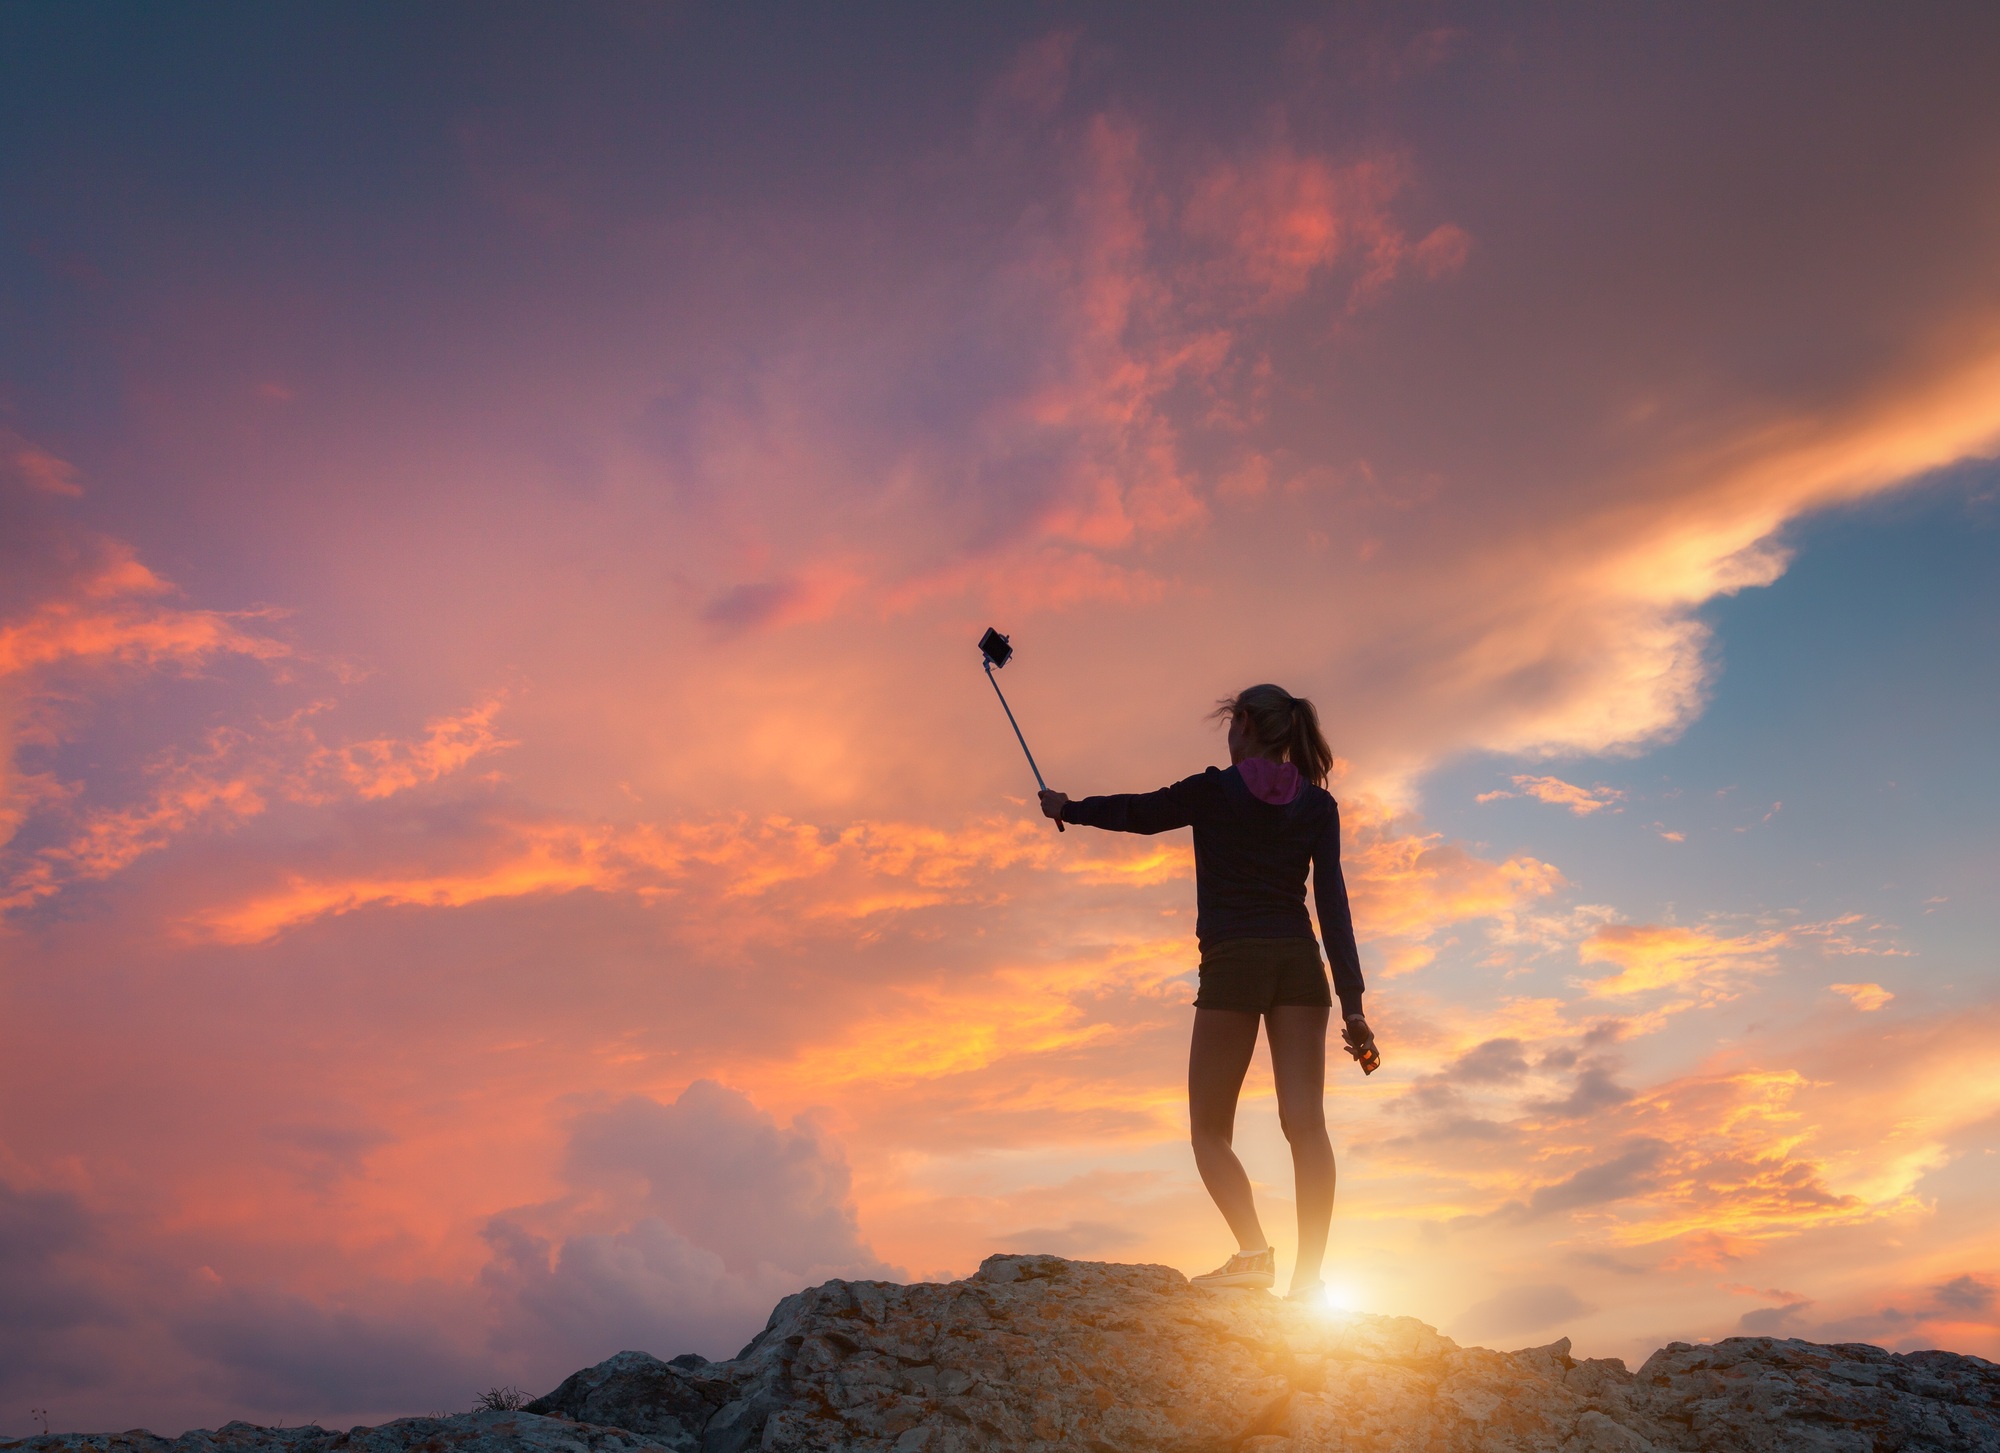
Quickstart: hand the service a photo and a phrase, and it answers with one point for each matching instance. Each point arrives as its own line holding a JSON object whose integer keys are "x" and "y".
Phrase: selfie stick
{"x": 994, "y": 650}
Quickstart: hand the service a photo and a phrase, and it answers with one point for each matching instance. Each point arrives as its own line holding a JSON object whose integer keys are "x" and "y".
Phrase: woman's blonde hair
{"x": 1280, "y": 719}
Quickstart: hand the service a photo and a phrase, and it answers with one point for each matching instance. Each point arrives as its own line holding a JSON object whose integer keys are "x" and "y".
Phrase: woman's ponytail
{"x": 1308, "y": 747}
{"x": 1280, "y": 719}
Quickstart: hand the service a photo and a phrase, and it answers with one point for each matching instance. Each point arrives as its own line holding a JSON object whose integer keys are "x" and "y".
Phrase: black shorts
{"x": 1256, "y": 974}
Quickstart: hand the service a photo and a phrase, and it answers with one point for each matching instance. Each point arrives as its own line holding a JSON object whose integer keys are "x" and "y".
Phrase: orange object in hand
{"x": 1359, "y": 1041}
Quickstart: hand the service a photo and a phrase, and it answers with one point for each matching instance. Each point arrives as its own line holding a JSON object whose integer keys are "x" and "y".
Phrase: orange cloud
{"x": 1807, "y": 1165}
{"x": 232, "y": 780}
{"x": 1715, "y": 1163}
{"x": 1408, "y": 885}
{"x": 111, "y": 840}
{"x": 104, "y": 609}
{"x": 1017, "y": 1015}
{"x": 1605, "y": 629}
{"x": 540, "y": 862}
{"x": 1736, "y": 1165}
{"x": 874, "y": 867}
{"x": 1580, "y": 800}
{"x": 1865, "y": 997}
{"x": 386, "y": 765}
{"x": 1653, "y": 956}
{"x": 1840, "y": 936}
{"x": 107, "y": 618}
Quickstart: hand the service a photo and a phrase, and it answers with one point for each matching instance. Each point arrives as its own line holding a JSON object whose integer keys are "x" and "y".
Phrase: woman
{"x": 1257, "y": 827}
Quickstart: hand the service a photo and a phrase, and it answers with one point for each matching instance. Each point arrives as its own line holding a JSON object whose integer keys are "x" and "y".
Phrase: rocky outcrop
{"x": 486, "y": 1432}
{"x": 1754, "y": 1393}
{"x": 672, "y": 1403}
{"x": 1038, "y": 1353}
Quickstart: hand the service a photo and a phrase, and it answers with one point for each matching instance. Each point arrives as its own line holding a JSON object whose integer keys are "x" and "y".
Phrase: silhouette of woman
{"x": 1257, "y": 827}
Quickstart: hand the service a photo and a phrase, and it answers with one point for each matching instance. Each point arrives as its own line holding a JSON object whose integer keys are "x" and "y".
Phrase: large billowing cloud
{"x": 704, "y": 1213}
{"x": 680, "y": 1225}
{"x": 549, "y": 700}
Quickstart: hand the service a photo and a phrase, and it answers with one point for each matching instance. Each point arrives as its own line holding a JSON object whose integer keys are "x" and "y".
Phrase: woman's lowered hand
{"x": 1359, "y": 1041}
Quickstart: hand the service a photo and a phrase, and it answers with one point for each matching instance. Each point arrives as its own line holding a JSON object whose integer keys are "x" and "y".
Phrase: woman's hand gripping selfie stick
{"x": 994, "y": 650}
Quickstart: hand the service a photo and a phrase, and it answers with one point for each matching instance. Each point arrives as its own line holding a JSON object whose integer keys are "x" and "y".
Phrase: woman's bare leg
{"x": 1224, "y": 1040}
{"x": 1298, "y": 1063}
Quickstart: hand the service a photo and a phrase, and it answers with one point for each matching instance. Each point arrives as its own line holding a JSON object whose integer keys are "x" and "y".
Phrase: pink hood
{"x": 1274, "y": 782}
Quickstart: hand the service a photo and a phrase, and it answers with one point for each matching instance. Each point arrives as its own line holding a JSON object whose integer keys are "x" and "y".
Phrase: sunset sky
{"x": 506, "y": 850}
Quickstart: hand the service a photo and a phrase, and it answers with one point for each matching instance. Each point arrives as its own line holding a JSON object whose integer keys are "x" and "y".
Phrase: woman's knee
{"x": 1211, "y": 1132}
{"x": 1303, "y": 1126}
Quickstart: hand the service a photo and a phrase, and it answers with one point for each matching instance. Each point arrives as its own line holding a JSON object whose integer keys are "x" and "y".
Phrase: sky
{"x": 506, "y": 853}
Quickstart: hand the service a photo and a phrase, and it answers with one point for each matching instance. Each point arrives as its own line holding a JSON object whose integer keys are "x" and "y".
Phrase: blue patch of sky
{"x": 1861, "y": 691}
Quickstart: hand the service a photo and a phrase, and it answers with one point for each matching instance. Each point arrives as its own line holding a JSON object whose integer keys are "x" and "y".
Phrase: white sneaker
{"x": 1244, "y": 1269}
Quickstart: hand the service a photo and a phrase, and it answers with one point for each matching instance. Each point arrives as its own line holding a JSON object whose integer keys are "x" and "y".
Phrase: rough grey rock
{"x": 495, "y": 1432}
{"x": 669, "y": 1402}
{"x": 1035, "y": 1354}
{"x": 1757, "y": 1393}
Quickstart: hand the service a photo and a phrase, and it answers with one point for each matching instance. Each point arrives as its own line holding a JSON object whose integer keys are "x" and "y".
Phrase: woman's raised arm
{"x": 1141, "y": 812}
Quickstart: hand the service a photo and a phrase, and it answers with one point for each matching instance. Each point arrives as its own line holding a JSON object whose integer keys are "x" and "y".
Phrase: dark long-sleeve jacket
{"x": 1250, "y": 861}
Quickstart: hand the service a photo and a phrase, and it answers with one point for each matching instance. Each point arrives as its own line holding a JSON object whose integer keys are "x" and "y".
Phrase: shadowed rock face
{"x": 1039, "y": 1353}
{"x": 466, "y": 1433}
{"x": 670, "y": 1403}
{"x": 1848, "y": 1396}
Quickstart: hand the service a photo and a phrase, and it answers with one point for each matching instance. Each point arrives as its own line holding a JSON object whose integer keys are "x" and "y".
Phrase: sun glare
{"x": 1335, "y": 1301}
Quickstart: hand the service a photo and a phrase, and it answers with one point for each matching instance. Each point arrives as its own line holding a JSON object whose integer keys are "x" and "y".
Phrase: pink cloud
{"x": 37, "y": 469}
{"x": 1285, "y": 220}
{"x": 98, "y": 610}
{"x": 232, "y": 778}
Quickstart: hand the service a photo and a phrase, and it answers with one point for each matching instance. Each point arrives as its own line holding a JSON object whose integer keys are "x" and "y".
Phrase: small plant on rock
{"x": 501, "y": 1400}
